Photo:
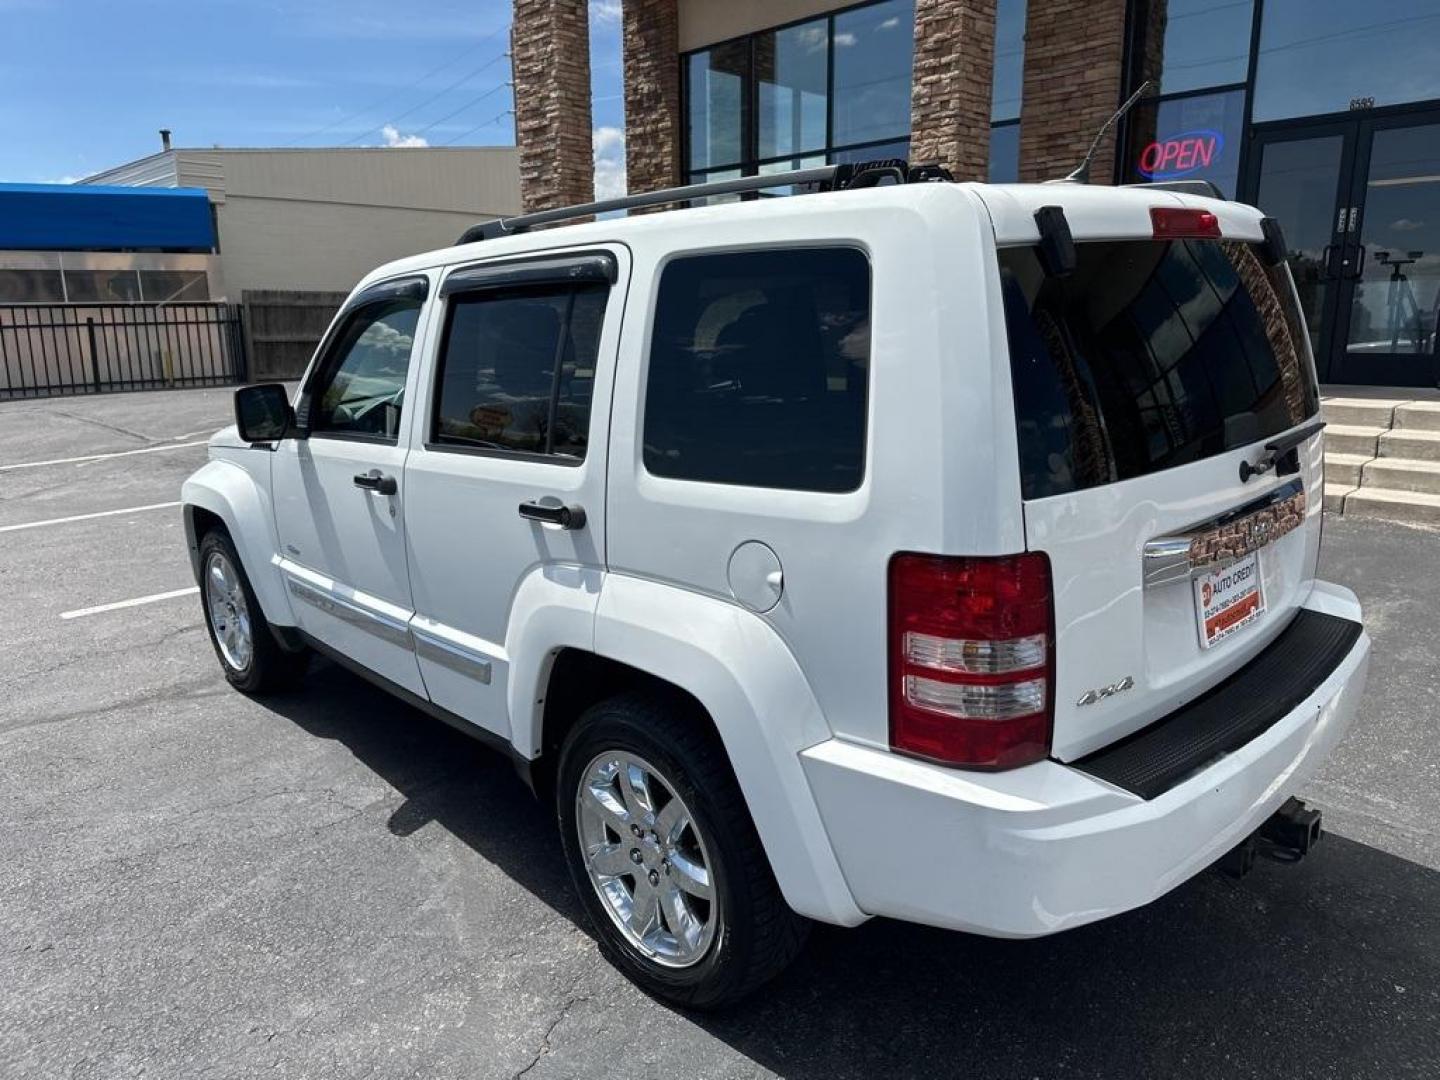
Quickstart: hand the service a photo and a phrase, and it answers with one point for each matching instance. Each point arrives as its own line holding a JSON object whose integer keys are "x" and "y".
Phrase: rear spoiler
{"x": 1184, "y": 187}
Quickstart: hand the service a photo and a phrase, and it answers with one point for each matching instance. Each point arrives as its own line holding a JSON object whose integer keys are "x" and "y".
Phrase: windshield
{"x": 1151, "y": 354}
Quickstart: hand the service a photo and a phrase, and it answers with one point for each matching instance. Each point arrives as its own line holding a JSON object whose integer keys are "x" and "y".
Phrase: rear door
{"x": 1143, "y": 380}
{"x": 505, "y": 488}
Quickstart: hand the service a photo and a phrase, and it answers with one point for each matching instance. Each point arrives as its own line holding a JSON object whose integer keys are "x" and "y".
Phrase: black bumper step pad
{"x": 1226, "y": 717}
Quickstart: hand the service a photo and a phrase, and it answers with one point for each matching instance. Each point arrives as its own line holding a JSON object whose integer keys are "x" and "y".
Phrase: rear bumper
{"x": 1048, "y": 847}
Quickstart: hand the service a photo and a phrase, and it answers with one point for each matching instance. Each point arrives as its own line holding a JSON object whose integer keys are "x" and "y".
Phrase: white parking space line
{"x": 101, "y": 457}
{"x": 86, "y": 517}
{"x": 100, "y": 609}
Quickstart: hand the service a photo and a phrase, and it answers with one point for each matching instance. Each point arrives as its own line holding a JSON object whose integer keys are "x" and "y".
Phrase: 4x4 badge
{"x": 1092, "y": 696}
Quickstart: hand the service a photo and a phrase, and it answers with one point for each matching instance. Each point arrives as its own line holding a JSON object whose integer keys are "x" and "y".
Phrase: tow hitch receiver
{"x": 1289, "y": 834}
{"x": 1294, "y": 827}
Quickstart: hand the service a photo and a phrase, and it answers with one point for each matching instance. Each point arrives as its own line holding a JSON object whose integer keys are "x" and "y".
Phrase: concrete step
{"x": 1344, "y": 468}
{"x": 1414, "y": 507}
{"x": 1335, "y": 497}
{"x": 1399, "y": 474}
{"x": 1358, "y": 412}
{"x": 1416, "y": 444}
{"x": 1418, "y": 415}
{"x": 1352, "y": 439}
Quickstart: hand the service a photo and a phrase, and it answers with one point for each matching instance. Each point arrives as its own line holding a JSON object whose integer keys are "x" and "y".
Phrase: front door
{"x": 1359, "y": 200}
{"x": 339, "y": 492}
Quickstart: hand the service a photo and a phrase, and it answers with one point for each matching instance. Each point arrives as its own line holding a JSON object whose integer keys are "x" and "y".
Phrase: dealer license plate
{"x": 1228, "y": 600}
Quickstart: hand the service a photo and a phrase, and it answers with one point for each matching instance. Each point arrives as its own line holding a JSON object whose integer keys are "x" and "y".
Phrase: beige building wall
{"x": 270, "y": 243}
{"x": 322, "y": 219}
{"x": 704, "y": 22}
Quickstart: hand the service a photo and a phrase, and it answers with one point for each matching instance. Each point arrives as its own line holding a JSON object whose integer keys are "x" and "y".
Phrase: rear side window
{"x": 759, "y": 369}
{"x": 1152, "y": 354}
{"x": 518, "y": 368}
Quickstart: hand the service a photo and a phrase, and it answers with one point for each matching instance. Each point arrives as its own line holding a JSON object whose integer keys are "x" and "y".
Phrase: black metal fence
{"x": 48, "y": 349}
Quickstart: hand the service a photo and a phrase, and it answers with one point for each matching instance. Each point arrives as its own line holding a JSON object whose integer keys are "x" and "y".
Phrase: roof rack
{"x": 824, "y": 177}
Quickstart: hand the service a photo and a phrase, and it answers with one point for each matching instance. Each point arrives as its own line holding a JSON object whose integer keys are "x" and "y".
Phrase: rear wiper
{"x": 1283, "y": 447}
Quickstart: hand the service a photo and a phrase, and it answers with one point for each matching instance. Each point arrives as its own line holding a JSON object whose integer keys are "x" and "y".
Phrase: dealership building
{"x": 1324, "y": 112}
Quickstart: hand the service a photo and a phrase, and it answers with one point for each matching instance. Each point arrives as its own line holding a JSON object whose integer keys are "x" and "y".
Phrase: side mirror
{"x": 263, "y": 413}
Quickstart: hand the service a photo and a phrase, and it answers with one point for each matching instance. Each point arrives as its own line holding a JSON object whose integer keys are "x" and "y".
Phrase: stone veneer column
{"x": 550, "y": 56}
{"x": 652, "y": 94}
{"x": 950, "y": 94}
{"x": 1074, "y": 56}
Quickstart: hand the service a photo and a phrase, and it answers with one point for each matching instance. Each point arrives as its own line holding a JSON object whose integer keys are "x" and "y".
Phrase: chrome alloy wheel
{"x": 646, "y": 859}
{"x": 229, "y": 614}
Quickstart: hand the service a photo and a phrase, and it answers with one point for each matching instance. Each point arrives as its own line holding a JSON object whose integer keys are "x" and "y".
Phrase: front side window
{"x": 759, "y": 370}
{"x": 1151, "y": 354}
{"x": 518, "y": 370}
{"x": 362, "y": 388}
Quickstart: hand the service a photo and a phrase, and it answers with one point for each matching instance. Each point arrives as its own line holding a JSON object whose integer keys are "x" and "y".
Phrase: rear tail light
{"x": 972, "y": 659}
{"x": 1178, "y": 222}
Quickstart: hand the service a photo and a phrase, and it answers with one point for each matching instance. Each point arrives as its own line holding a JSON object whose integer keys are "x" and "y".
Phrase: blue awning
{"x": 82, "y": 217}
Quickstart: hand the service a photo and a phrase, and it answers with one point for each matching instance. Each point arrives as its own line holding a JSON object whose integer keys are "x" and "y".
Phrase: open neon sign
{"x": 1181, "y": 155}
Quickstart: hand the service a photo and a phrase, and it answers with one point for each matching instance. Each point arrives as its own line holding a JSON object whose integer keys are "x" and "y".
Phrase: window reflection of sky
{"x": 1316, "y": 55}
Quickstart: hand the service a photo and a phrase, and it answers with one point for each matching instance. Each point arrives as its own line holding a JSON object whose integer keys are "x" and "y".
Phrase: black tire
{"x": 757, "y": 934}
{"x": 269, "y": 667}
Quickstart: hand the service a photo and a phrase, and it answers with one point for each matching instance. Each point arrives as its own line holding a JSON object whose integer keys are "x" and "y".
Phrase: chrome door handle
{"x": 377, "y": 482}
{"x": 567, "y": 517}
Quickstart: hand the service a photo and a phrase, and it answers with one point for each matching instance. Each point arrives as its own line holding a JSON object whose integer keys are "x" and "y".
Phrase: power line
{"x": 391, "y": 95}
{"x": 432, "y": 98}
{"x": 468, "y": 105}
{"x": 482, "y": 127}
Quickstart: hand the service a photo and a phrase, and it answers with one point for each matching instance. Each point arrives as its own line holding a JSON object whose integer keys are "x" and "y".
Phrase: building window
{"x": 102, "y": 286}
{"x": 791, "y": 78}
{"x": 1207, "y": 43}
{"x": 717, "y": 85}
{"x": 1191, "y": 137}
{"x": 30, "y": 287}
{"x": 1194, "y": 129}
{"x": 830, "y": 89}
{"x": 174, "y": 286}
{"x": 1006, "y": 88}
{"x": 1318, "y": 56}
{"x": 874, "y": 50}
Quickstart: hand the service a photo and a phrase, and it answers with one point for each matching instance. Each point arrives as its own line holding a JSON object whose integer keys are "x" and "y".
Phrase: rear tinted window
{"x": 759, "y": 368}
{"x": 1150, "y": 355}
{"x": 518, "y": 368}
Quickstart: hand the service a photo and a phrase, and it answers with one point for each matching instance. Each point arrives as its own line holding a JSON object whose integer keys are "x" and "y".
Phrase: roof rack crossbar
{"x": 490, "y": 230}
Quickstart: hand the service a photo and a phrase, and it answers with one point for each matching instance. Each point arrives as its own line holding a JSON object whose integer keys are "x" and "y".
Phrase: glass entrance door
{"x": 1392, "y": 299}
{"x": 1359, "y": 200}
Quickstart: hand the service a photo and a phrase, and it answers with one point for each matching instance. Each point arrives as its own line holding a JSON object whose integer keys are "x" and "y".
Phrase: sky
{"x": 87, "y": 84}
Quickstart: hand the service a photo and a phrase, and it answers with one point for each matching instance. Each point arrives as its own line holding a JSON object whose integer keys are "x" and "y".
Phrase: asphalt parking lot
{"x": 329, "y": 884}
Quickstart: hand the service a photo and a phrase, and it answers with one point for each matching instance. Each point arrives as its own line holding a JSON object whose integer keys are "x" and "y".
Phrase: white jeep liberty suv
{"x": 937, "y": 551}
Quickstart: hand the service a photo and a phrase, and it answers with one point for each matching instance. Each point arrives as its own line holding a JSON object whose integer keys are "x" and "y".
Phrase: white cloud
{"x": 609, "y": 145}
{"x": 890, "y": 23}
{"x": 1406, "y": 225}
{"x": 845, "y": 39}
{"x": 605, "y": 11}
{"x": 393, "y": 137}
